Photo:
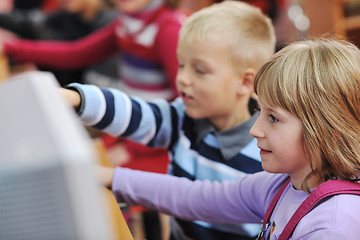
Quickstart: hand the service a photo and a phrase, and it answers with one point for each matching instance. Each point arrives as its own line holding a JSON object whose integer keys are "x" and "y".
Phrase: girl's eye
{"x": 181, "y": 66}
{"x": 199, "y": 71}
{"x": 273, "y": 119}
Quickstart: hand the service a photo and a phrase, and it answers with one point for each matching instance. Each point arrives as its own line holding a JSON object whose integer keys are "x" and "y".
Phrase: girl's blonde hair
{"x": 319, "y": 82}
{"x": 247, "y": 31}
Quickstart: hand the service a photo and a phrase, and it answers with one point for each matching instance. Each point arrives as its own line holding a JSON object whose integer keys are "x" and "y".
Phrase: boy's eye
{"x": 199, "y": 71}
{"x": 201, "y": 68}
{"x": 273, "y": 119}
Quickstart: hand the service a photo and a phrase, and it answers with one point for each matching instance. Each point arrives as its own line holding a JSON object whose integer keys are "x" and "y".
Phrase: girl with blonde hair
{"x": 308, "y": 132}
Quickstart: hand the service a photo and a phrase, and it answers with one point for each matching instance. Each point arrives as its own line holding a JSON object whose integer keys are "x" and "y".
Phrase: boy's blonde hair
{"x": 319, "y": 82}
{"x": 248, "y": 32}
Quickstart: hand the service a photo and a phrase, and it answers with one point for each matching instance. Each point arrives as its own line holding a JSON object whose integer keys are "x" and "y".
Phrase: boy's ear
{"x": 247, "y": 85}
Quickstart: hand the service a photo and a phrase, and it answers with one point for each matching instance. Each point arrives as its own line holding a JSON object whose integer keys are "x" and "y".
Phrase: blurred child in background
{"x": 144, "y": 37}
{"x": 73, "y": 20}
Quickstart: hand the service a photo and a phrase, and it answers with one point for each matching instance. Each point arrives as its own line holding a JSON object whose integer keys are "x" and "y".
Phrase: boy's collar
{"x": 230, "y": 141}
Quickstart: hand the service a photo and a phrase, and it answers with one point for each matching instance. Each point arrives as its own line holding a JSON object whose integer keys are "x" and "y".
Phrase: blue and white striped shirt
{"x": 196, "y": 150}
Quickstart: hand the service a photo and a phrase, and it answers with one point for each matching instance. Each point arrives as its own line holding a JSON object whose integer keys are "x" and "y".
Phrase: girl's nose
{"x": 256, "y": 130}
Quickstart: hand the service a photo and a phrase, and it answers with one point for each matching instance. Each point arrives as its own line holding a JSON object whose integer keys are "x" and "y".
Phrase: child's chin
{"x": 269, "y": 168}
{"x": 194, "y": 114}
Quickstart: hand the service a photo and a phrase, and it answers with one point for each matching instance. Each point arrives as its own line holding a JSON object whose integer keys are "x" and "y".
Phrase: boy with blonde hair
{"x": 206, "y": 129}
{"x": 248, "y": 33}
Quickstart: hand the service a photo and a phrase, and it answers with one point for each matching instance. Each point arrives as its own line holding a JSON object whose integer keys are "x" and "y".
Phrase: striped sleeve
{"x": 155, "y": 123}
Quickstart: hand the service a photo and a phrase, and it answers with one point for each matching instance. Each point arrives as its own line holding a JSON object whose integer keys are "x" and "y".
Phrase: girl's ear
{"x": 247, "y": 83}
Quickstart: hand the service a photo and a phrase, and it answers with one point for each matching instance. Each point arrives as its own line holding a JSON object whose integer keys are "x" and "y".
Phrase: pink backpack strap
{"x": 270, "y": 209}
{"x": 324, "y": 190}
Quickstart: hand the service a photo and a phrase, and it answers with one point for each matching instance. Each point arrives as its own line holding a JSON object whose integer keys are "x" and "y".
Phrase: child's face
{"x": 280, "y": 138}
{"x": 131, "y": 6}
{"x": 207, "y": 81}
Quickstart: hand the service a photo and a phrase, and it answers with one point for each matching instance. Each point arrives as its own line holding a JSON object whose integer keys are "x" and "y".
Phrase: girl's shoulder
{"x": 337, "y": 215}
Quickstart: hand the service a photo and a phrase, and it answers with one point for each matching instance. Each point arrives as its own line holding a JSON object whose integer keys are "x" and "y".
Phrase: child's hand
{"x": 72, "y": 97}
{"x": 104, "y": 175}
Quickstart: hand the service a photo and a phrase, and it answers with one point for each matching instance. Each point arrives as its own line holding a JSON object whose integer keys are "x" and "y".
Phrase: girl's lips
{"x": 263, "y": 151}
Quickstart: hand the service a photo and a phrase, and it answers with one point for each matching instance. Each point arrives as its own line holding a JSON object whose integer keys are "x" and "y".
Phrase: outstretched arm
{"x": 155, "y": 123}
{"x": 226, "y": 202}
{"x": 71, "y": 97}
{"x": 215, "y": 202}
{"x": 65, "y": 55}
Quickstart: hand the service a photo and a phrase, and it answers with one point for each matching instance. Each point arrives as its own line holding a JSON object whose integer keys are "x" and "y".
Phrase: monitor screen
{"x": 47, "y": 188}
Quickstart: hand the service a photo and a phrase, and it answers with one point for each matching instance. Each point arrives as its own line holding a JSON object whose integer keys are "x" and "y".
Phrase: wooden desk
{"x": 4, "y": 68}
{"x": 7, "y": 71}
{"x": 121, "y": 230}
{"x": 120, "y": 227}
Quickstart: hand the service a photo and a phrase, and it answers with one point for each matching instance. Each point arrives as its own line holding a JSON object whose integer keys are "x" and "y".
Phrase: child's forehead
{"x": 201, "y": 40}
{"x": 195, "y": 46}
{"x": 263, "y": 103}
{"x": 266, "y": 104}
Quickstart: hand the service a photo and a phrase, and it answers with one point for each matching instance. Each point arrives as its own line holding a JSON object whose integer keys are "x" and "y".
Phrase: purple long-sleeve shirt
{"x": 243, "y": 201}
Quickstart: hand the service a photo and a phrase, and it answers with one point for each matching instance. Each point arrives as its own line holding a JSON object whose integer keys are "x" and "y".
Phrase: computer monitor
{"x": 47, "y": 188}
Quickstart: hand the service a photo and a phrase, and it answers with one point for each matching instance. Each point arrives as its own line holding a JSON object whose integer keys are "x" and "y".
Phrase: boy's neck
{"x": 238, "y": 115}
{"x": 222, "y": 124}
